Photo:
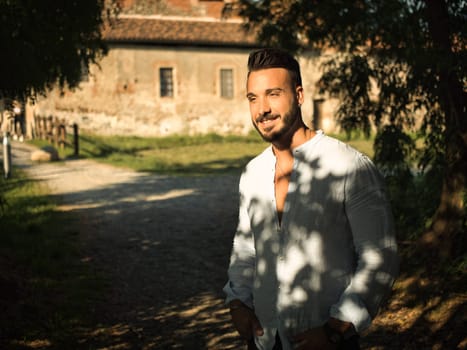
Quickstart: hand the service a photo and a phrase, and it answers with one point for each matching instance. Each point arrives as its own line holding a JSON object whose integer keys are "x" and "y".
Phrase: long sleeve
{"x": 334, "y": 253}
{"x": 242, "y": 261}
{"x": 372, "y": 227}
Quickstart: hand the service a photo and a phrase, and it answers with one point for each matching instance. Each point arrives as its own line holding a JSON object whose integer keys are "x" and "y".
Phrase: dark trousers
{"x": 353, "y": 343}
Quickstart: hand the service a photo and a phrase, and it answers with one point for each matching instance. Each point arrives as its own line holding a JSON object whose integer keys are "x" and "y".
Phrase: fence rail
{"x": 55, "y": 131}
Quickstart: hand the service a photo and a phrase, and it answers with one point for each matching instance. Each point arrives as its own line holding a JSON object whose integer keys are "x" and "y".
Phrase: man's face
{"x": 274, "y": 102}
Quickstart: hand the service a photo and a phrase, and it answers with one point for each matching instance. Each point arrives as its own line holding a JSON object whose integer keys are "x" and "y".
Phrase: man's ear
{"x": 300, "y": 95}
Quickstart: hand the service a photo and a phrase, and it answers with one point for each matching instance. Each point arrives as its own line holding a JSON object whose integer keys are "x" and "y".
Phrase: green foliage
{"x": 414, "y": 197}
{"x": 395, "y": 47}
{"x": 394, "y": 149}
{"x": 399, "y": 67}
{"x": 350, "y": 73}
{"x": 45, "y": 290}
{"x": 48, "y": 42}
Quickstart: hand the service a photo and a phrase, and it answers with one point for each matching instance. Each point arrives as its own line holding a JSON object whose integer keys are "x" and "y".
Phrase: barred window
{"x": 226, "y": 83}
{"x": 84, "y": 72}
{"x": 166, "y": 82}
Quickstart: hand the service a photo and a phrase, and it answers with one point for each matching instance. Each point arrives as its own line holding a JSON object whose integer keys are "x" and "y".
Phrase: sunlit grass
{"x": 38, "y": 251}
{"x": 180, "y": 155}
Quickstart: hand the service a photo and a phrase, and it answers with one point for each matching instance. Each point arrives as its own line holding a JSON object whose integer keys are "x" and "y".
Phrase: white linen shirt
{"x": 333, "y": 254}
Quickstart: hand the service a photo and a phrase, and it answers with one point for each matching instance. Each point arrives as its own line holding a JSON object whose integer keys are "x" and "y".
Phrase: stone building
{"x": 180, "y": 72}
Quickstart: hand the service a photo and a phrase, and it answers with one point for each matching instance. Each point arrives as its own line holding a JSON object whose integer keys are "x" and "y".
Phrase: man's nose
{"x": 264, "y": 106}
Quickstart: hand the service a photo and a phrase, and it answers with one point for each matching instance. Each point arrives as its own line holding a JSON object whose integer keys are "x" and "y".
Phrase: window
{"x": 84, "y": 72}
{"x": 166, "y": 82}
{"x": 226, "y": 83}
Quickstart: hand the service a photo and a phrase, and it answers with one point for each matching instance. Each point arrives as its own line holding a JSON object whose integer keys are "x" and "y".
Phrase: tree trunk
{"x": 448, "y": 221}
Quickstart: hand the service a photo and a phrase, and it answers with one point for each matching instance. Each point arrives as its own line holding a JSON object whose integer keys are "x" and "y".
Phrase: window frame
{"x": 163, "y": 86}
{"x": 228, "y": 92}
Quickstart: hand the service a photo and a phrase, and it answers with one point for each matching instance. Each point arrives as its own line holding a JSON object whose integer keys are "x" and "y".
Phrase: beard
{"x": 288, "y": 120}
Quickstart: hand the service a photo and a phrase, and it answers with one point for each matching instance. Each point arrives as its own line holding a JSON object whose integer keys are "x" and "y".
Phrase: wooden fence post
{"x": 49, "y": 129}
{"x": 55, "y": 131}
{"x": 62, "y": 133}
{"x": 76, "y": 139}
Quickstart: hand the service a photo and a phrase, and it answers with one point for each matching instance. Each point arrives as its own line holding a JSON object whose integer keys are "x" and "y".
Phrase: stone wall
{"x": 123, "y": 95}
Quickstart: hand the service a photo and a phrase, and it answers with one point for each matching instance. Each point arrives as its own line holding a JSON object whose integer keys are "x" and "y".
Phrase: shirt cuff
{"x": 350, "y": 309}
{"x": 238, "y": 293}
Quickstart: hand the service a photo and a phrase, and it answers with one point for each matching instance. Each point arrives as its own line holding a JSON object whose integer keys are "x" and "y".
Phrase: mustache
{"x": 266, "y": 117}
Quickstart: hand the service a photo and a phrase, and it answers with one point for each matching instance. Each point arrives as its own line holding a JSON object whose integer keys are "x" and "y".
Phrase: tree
{"x": 49, "y": 42}
{"x": 415, "y": 52}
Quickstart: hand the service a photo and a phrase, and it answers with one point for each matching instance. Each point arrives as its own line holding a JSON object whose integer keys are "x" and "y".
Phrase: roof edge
{"x": 178, "y": 43}
{"x": 180, "y": 18}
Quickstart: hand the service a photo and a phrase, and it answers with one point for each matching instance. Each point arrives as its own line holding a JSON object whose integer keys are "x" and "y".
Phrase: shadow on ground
{"x": 163, "y": 245}
{"x": 164, "y": 242}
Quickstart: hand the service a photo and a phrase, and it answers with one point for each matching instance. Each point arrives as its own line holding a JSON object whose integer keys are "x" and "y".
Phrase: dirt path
{"x": 163, "y": 242}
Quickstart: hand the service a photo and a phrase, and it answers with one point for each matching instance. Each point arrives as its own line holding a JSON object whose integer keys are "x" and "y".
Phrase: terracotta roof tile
{"x": 158, "y": 30}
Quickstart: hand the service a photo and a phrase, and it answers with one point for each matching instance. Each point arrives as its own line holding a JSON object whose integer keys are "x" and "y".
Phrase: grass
{"x": 45, "y": 290}
{"x": 179, "y": 155}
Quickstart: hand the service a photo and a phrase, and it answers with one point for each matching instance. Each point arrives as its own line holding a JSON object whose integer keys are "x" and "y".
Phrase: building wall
{"x": 198, "y": 8}
{"x": 123, "y": 96}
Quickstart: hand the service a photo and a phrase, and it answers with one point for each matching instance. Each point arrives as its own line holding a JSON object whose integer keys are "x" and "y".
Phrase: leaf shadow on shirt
{"x": 331, "y": 254}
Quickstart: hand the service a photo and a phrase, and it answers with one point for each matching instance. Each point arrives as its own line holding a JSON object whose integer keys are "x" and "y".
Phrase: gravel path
{"x": 163, "y": 242}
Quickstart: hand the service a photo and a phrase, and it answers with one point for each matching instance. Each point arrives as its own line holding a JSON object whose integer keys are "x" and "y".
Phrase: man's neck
{"x": 298, "y": 137}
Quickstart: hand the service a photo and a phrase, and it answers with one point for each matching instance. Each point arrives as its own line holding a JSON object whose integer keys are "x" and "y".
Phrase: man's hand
{"x": 318, "y": 339}
{"x": 313, "y": 339}
{"x": 245, "y": 321}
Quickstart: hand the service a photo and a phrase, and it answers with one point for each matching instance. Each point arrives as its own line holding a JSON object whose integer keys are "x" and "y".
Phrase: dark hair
{"x": 275, "y": 58}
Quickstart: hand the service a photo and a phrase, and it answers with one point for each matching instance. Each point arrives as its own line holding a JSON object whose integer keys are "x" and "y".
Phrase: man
{"x": 314, "y": 253}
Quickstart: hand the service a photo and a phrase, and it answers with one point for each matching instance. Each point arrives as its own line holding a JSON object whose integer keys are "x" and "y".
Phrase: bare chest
{"x": 281, "y": 187}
